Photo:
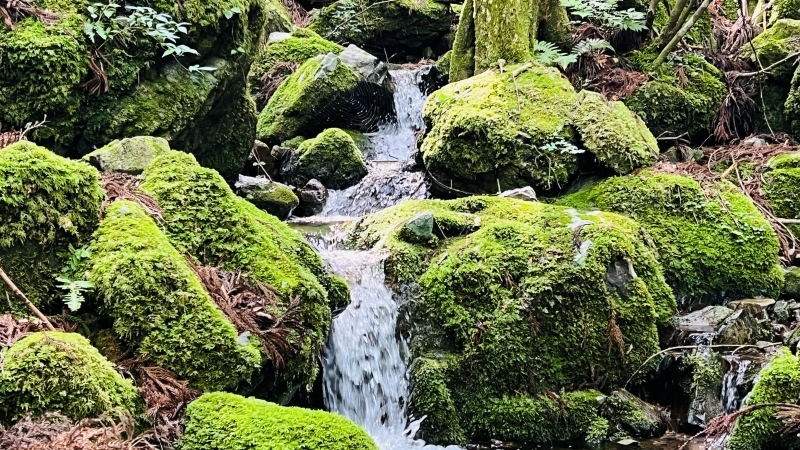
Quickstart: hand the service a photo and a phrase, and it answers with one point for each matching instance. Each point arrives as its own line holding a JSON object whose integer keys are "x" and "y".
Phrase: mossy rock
{"x": 713, "y": 243}
{"x": 493, "y": 132}
{"x": 670, "y": 108}
{"x": 775, "y": 44}
{"x": 398, "y": 26}
{"x": 781, "y": 188}
{"x": 206, "y": 220}
{"x": 332, "y": 158}
{"x": 515, "y": 298}
{"x": 302, "y": 45}
{"x": 792, "y": 105}
{"x": 47, "y": 204}
{"x": 221, "y": 421}
{"x": 778, "y": 382}
{"x": 294, "y": 106}
{"x": 56, "y": 371}
{"x": 129, "y": 155}
{"x": 270, "y": 196}
{"x": 159, "y": 306}
{"x": 787, "y": 9}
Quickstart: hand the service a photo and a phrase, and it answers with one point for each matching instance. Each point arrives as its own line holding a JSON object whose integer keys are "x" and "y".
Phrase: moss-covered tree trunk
{"x": 494, "y": 30}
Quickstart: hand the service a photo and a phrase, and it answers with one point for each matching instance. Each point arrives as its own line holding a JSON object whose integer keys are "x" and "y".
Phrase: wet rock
{"x": 332, "y": 158}
{"x": 270, "y": 196}
{"x": 312, "y": 199}
{"x": 755, "y": 306}
{"x": 418, "y": 228}
{"x": 791, "y": 283}
{"x": 634, "y": 415}
{"x": 719, "y": 325}
{"x": 262, "y": 160}
{"x": 129, "y": 155}
{"x": 683, "y": 154}
{"x": 523, "y": 193}
{"x": 706, "y": 387}
{"x": 369, "y": 67}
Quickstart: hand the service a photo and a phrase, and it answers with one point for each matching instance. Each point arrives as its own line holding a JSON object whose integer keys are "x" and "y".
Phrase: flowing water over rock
{"x": 364, "y": 365}
{"x": 388, "y": 182}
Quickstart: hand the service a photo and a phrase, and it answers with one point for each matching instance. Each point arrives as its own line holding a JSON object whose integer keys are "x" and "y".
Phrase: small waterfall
{"x": 734, "y": 381}
{"x": 365, "y": 376}
{"x": 388, "y": 183}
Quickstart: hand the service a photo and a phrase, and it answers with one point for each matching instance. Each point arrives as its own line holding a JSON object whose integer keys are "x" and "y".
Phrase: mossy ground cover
{"x": 47, "y": 203}
{"x": 516, "y": 298}
{"x": 712, "y": 241}
{"x": 56, "y": 371}
{"x": 159, "y": 307}
{"x": 206, "y": 220}
{"x": 221, "y": 421}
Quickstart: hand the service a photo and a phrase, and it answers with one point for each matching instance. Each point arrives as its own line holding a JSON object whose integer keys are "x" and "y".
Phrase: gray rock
{"x": 130, "y": 155}
{"x": 524, "y": 193}
{"x": 719, "y": 325}
{"x": 278, "y": 36}
{"x": 313, "y": 197}
{"x": 368, "y": 66}
{"x": 791, "y": 284}
{"x": 755, "y": 306}
{"x": 274, "y": 198}
{"x": 418, "y": 228}
{"x": 634, "y": 415}
{"x": 329, "y": 64}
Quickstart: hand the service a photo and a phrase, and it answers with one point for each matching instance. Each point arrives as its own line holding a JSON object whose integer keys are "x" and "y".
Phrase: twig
{"x": 768, "y": 68}
{"x": 28, "y": 303}
{"x": 681, "y": 33}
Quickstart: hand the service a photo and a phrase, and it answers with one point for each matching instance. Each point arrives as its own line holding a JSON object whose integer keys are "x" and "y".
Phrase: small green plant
{"x": 72, "y": 274}
{"x": 558, "y": 144}
{"x": 73, "y": 297}
{"x": 605, "y": 12}
{"x": 548, "y": 54}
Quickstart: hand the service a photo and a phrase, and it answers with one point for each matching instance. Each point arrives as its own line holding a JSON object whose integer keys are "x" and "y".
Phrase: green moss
{"x": 159, "y": 306}
{"x": 787, "y": 9}
{"x": 293, "y": 142}
{"x": 291, "y": 110}
{"x": 775, "y": 44}
{"x": 431, "y": 398}
{"x": 274, "y": 198}
{"x": 779, "y": 382}
{"x": 401, "y": 24}
{"x": 462, "y": 60}
{"x": 618, "y": 138}
{"x": 220, "y": 421}
{"x": 780, "y": 189}
{"x": 632, "y": 415}
{"x": 57, "y": 371}
{"x": 303, "y": 45}
{"x": 493, "y": 132}
{"x": 205, "y": 219}
{"x": 712, "y": 241}
{"x": 668, "y": 106}
{"x": 332, "y": 158}
{"x": 792, "y": 105}
{"x": 47, "y": 203}
{"x": 130, "y": 155}
{"x": 518, "y": 309}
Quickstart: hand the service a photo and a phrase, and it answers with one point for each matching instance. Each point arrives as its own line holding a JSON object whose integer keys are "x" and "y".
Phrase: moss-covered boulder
{"x": 298, "y": 47}
{"x": 128, "y": 88}
{"x": 55, "y": 371}
{"x": 47, "y": 204}
{"x": 159, "y": 306}
{"x": 129, "y": 155}
{"x": 397, "y": 26}
{"x": 779, "y": 382}
{"x": 332, "y": 158}
{"x": 513, "y": 298}
{"x": 270, "y": 196}
{"x": 491, "y": 31}
{"x": 713, "y": 243}
{"x": 787, "y": 9}
{"x": 497, "y": 131}
{"x": 206, "y": 220}
{"x": 774, "y": 45}
{"x": 780, "y": 184}
{"x": 298, "y": 102}
{"x": 220, "y": 421}
{"x": 672, "y": 104}
{"x": 792, "y": 105}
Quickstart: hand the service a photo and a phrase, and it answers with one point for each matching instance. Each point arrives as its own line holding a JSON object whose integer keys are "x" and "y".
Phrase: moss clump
{"x": 220, "y": 421}
{"x": 205, "y": 219}
{"x": 159, "y": 307}
{"x": 780, "y": 187}
{"x": 515, "y": 298}
{"x": 712, "y": 241}
{"x": 130, "y": 155}
{"x": 56, "y": 371}
{"x": 332, "y": 158}
{"x": 668, "y": 106}
{"x": 291, "y": 110}
{"x": 775, "y": 44}
{"x": 274, "y": 198}
{"x": 787, "y": 9}
{"x": 792, "y": 105}
{"x": 398, "y": 25}
{"x": 302, "y": 45}
{"x": 779, "y": 382}
{"x": 47, "y": 203}
{"x": 480, "y": 133}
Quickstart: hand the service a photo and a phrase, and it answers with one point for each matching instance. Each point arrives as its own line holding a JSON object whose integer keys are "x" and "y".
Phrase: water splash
{"x": 365, "y": 376}
{"x": 733, "y": 381}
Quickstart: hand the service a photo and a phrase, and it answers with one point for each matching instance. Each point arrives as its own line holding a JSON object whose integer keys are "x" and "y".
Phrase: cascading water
{"x": 734, "y": 379}
{"x": 387, "y": 183}
{"x": 364, "y": 365}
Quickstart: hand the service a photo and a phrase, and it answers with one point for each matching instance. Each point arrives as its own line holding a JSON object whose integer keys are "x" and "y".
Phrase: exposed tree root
{"x": 12, "y": 11}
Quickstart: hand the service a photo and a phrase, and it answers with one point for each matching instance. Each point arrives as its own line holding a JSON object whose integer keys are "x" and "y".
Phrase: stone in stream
{"x": 418, "y": 228}
{"x": 637, "y": 417}
{"x": 725, "y": 326}
{"x": 270, "y": 196}
{"x": 313, "y": 197}
{"x": 332, "y": 158}
{"x": 129, "y": 155}
{"x": 368, "y": 66}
